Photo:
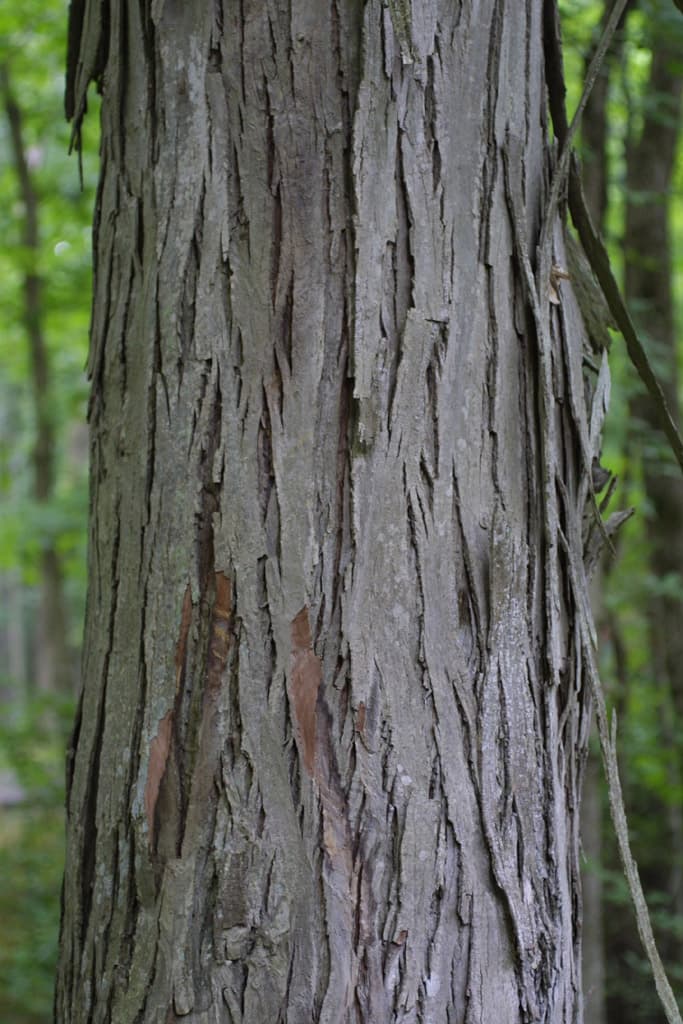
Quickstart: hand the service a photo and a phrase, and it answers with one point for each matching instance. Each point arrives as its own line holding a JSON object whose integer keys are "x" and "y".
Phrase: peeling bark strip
{"x": 53, "y": 669}
{"x": 158, "y": 756}
{"x": 306, "y": 674}
{"x": 317, "y": 648}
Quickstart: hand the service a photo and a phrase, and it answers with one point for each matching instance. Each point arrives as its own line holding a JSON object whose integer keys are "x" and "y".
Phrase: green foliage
{"x": 32, "y": 729}
{"x": 31, "y": 861}
{"x": 650, "y": 749}
{"x": 32, "y": 47}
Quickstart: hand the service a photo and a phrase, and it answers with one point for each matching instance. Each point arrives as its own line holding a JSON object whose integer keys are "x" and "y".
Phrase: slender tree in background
{"x": 650, "y": 149}
{"x": 45, "y": 273}
{"x": 53, "y": 667}
{"x": 328, "y": 756}
{"x": 648, "y": 285}
{"x": 648, "y": 282}
{"x": 594, "y": 139}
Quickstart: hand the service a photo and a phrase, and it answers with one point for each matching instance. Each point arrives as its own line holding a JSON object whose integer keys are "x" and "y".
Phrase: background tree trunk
{"x": 595, "y": 163}
{"x": 648, "y": 286}
{"x": 327, "y": 763}
{"x": 53, "y": 662}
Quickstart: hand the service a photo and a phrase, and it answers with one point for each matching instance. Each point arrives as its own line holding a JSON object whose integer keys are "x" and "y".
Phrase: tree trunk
{"x": 53, "y": 663}
{"x": 327, "y": 762}
{"x": 14, "y": 634}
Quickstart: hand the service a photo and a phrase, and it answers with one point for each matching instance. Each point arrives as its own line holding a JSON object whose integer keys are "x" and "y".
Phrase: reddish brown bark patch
{"x": 159, "y": 750}
{"x": 306, "y": 676}
{"x": 360, "y": 720}
{"x": 160, "y": 747}
{"x": 181, "y": 646}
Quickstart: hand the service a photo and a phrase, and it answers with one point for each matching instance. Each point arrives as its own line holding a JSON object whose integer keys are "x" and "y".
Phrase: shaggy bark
{"x": 327, "y": 762}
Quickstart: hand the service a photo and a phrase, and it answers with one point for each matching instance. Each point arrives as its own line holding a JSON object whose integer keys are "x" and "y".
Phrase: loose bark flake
{"x": 306, "y": 677}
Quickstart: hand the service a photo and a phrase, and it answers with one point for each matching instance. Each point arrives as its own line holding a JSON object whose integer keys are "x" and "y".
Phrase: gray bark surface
{"x": 322, "y": 770}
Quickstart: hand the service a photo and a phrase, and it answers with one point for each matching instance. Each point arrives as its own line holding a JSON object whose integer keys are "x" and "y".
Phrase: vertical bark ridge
{"x": 322, "y": 455}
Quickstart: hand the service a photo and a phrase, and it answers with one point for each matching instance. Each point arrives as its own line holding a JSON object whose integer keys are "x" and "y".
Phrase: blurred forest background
{"x": 633, "y": 173}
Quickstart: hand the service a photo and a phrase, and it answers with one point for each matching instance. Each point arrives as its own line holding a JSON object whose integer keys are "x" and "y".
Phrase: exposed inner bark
{"x": 338, "y": 782}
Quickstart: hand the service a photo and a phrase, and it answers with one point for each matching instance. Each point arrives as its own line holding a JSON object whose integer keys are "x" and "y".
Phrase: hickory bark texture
{"x": 321, "y": 771}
